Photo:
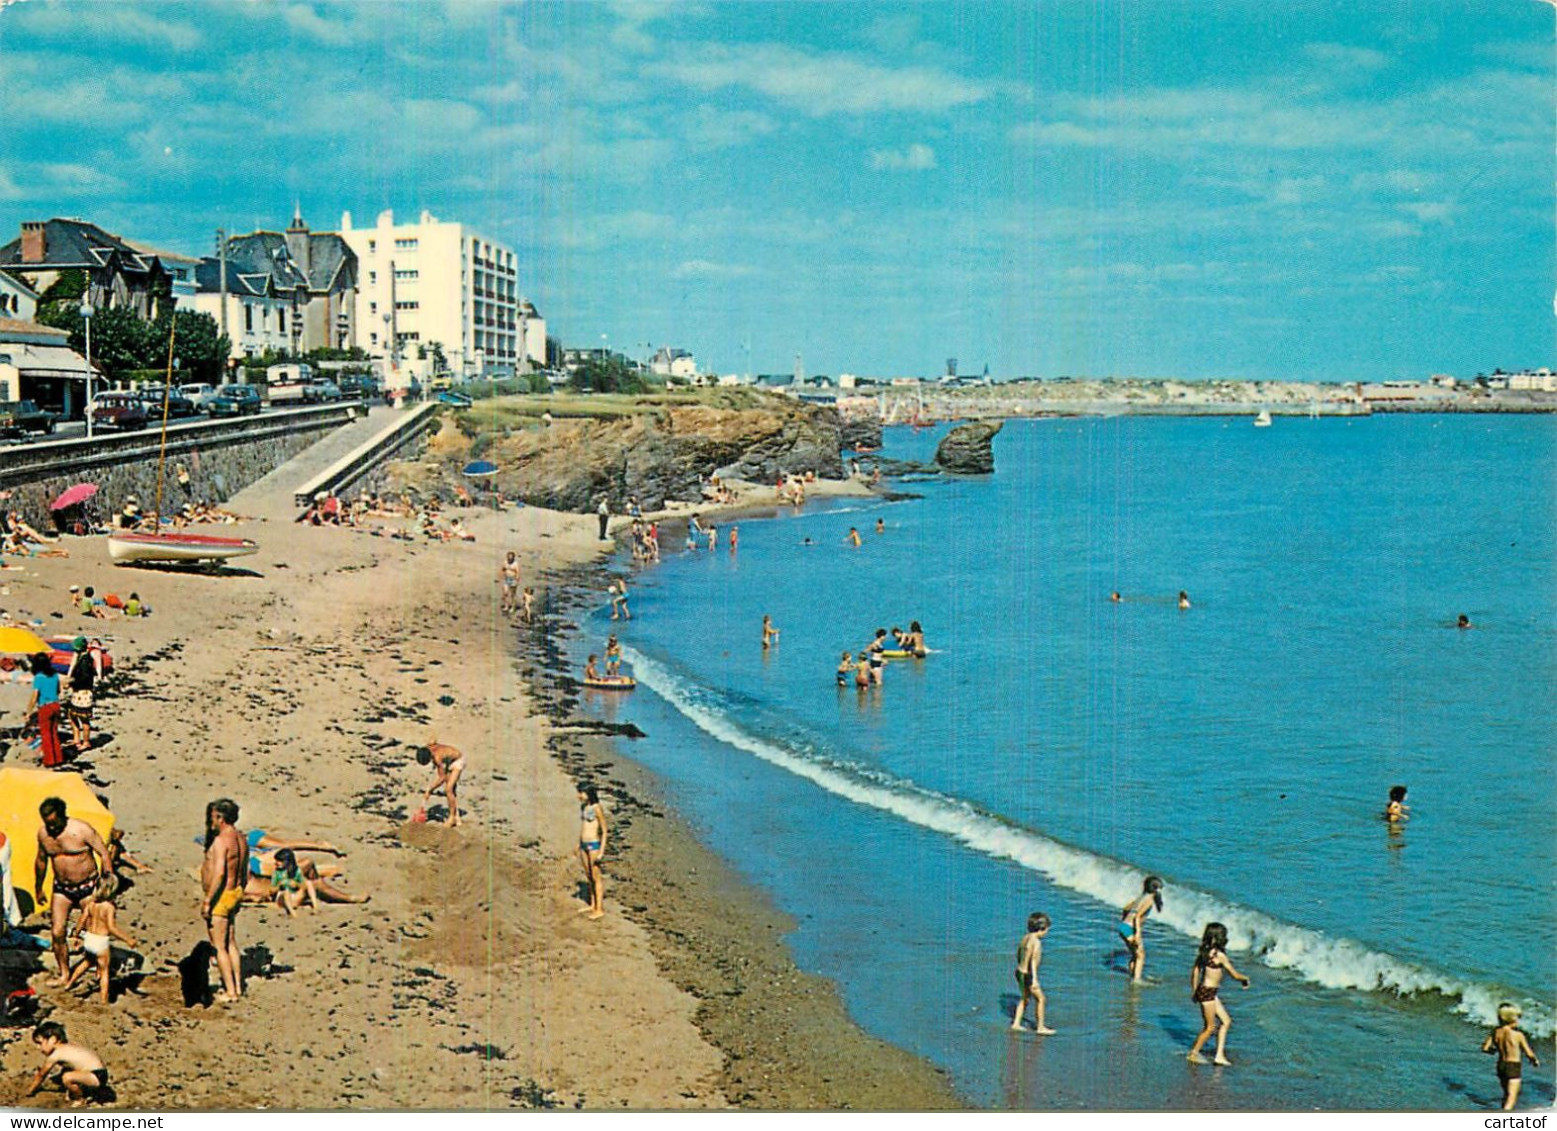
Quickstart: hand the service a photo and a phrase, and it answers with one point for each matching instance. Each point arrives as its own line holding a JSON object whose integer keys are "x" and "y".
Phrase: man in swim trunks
{"x": 508, "y": 574}
{"x": 223, "y": 875}
{"x": 74, "y": 849}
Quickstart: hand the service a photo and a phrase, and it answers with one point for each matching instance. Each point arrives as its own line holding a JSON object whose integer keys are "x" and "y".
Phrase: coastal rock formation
{"x": 968, "y": 448}
{"x": 660, "y": 453}
{"x": 861, "y": 432}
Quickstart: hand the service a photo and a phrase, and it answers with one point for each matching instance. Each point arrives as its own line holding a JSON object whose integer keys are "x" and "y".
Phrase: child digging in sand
{"x": 82, "y": 1075}
{"x": 96, "y": 928}
{"x": 1029, "y": 953}
{"x": 1510, "y": 1044}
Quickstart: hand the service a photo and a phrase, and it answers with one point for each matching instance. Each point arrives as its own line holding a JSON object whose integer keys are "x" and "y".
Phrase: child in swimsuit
{"x": 845, "y": 665}
{"x": 1397, "y": 810}
{"x": 613, "y": 656}
{"x": 1511, "y": 1045}
{"x": 592, "y": 835}
{"x": 290, "y": 887}
{"x": 1029, "y": 953}
{"x": 770, "y": 634}
{"x": 82, "y": 1073}
{"x": 1131, "y": 919}
{"x": 1205, "y": 979}
{"x": 95, "y": 929}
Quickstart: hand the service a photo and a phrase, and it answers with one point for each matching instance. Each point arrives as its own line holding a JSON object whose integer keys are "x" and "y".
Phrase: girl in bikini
{"x": 1130, "y": 921}
{"x": 1205, "y": 979}
{"x": 592, "y": 835}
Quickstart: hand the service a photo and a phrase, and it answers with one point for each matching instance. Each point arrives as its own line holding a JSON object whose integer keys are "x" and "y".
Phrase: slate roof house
{"x": 118, "y": 275}
{"x": 324, "y": 265}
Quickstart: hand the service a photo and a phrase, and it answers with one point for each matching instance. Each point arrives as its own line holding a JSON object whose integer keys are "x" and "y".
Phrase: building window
{"x": 281, "y": 319}
{"x": 372, "y": 277}
{"x": 372, "y": 246}
{"x": 405, "y": 245}
{"x": 406, "y": 275}
{"x": 373, "y": 338}
{"x": 248, "y": 319}
{"x": 412, "y": 305}
{"x": 372, "y": 308}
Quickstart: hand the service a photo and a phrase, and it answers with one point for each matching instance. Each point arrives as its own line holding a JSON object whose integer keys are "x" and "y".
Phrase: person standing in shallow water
{"x": 1131, "y": 921}
{"x": 592, "y": 836}
{"x": 1029, "y": 954}
{"x": 1510, "y": 1044}
{"x": 1205, "y": 980}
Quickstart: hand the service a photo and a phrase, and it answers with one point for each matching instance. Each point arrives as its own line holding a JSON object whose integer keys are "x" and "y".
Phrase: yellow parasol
{"x": 21, "y": 792}
{"x": 15, "y": 640}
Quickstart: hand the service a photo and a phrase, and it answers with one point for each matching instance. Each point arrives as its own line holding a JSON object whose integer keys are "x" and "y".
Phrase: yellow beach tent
{"x": 21, "y": 792}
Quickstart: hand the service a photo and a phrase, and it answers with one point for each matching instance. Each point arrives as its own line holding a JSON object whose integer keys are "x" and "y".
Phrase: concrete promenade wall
{"x": 222, "y": 458}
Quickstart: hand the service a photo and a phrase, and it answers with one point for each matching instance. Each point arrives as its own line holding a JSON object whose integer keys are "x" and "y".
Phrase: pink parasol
{"x": 80, "y": 493}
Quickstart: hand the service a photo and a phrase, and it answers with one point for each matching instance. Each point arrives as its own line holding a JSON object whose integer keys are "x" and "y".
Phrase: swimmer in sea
{"x": 1029, "y": 953}
{"x": 1397, "y": 810}
{"x": 592, "y": 834}
{"x": 881, "y": 526}
{"x": 853, "y": 537}
{"x": 1183, "y": 599}
{"x": 862, "y": 672}
{"x": 770, "y": 634}
{"x": 1463, "y": 622}
{"x": 1115, "y": 597}
{"x": 1205, "y": 979}
{"x": 845, "y": 666}
{"x": 913, "y": 640}
{"x": 1131, "y": 920}
{"x": 1511, "y": 1045}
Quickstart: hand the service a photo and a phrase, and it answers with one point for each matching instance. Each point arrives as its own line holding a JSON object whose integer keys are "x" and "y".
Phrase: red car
{"x": 122, "y": 411}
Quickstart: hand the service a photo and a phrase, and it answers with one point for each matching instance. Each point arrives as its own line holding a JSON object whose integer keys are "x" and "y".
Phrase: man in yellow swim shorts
{"x": 223, "y": 874}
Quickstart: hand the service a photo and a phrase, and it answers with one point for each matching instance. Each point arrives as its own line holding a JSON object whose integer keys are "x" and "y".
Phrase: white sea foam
{"x": 1336, "y": 963}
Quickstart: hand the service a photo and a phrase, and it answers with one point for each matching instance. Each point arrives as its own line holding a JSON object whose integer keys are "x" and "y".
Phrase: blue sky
{"x": 1275, "y": 190}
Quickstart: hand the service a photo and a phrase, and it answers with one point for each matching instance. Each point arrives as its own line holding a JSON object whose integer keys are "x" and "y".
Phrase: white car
{"x": 200, "y": 394}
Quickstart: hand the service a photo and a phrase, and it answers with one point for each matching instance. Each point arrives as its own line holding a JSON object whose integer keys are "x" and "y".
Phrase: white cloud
{"x": 303, "y": 20}
{"x": 1342, "y": 56}
{"x": 821, "y": 84}
{"x": 706, "y": 269}
{"x": 916, "y": 156}
{"x": 718, "y": 128}
{"x": 105, "y": 21}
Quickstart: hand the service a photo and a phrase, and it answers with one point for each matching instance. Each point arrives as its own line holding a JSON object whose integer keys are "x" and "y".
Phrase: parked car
{"x": 234, "y": 400}
{"x": 358, "y": 386}
{"x": 200, "y": 394}
{"x": 321, "y": 392}
{"x": 179, "y": 406}
{"x": 124, "y": 412}
{"x": 17, "y": 418}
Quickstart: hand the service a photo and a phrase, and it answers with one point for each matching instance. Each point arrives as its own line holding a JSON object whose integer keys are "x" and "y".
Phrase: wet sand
{"x": 298, "y": 683}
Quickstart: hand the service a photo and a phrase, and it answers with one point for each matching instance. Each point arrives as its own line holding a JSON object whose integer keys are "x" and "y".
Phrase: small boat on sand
{"x": 129, "y": 546}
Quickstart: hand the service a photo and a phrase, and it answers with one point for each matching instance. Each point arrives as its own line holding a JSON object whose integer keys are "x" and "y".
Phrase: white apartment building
{"x": 439, "y": 281}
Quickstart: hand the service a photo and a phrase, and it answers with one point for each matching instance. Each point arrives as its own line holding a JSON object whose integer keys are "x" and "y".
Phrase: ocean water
{"x": 1056, "y": 747}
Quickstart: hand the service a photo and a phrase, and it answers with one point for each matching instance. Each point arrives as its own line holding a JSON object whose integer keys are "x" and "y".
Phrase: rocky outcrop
{"x": 968, "y": 449}
{"x": 861, "y": 432}
{"x": 658, "y": 454}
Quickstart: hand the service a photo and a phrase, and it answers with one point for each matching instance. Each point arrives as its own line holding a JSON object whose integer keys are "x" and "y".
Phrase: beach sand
{"x": 298, "y": 683}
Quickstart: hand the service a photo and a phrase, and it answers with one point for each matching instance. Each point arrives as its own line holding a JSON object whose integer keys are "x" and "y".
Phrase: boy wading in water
{"x": 1029, "y": 953}
{"x": 592, "y": 835}
{"x": 1205, "y": 979}
{"x": 1511, "y": 1045}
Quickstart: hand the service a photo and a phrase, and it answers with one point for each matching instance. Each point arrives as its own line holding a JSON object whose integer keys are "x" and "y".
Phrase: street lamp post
{"x": 86, "y": 316}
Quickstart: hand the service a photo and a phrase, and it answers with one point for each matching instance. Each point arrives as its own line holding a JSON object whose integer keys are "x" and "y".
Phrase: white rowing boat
{"x": 130, "y": 546}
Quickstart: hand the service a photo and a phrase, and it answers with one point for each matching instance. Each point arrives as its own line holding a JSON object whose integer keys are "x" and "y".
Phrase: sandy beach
{"x": 299, "y": 684}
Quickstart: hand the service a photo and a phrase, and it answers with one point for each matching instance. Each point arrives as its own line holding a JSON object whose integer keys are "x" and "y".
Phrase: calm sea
{"x": 1056, "y": 747}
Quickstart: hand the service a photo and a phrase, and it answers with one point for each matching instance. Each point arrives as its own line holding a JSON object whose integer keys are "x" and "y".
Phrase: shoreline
{"x": 299, "y": 688}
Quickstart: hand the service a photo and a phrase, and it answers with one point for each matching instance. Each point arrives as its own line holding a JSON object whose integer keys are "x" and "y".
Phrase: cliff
{"x": 655, "y": 454}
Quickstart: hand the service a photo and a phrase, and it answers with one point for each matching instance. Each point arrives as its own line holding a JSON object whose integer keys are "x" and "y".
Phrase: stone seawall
{"x": 221, "y": 462}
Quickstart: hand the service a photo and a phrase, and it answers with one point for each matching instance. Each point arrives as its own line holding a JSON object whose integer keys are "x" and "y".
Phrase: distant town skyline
{"x": 1240, "y": 190}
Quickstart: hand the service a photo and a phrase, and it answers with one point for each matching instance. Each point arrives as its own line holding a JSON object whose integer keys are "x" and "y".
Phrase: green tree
{"x": 200, "y": 348}
{"x": 434, "y": 350}
{"x": 610, "y": 375}
{"x": 69, "y": 287}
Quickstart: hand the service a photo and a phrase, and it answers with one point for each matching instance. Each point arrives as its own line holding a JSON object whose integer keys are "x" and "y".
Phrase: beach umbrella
{"x": 16, "y": 640}
{"x": 21, "y": 791}
{"x": 480, "y": 469}
{"x": 80, "y": 493}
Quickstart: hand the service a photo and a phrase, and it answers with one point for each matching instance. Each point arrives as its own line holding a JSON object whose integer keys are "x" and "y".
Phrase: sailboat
{"x": 178, "y": 546}
{"x": 1262, "y": 420}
